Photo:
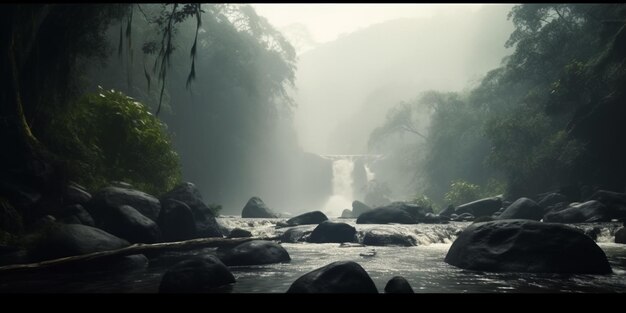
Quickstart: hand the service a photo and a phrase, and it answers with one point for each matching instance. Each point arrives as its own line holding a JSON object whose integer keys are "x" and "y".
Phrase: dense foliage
{"x": 549, "y": 118}
{"x": 108, "y": 136}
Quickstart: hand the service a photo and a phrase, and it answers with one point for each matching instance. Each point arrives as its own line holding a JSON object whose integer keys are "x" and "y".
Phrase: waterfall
{"x": 342, "y": 188}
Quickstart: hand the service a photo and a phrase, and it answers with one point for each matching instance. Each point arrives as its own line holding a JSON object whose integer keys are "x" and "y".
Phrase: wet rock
{"x": 386, "y": 215}
{"x": 551, "y": 199}
{"x": 336, "y": 277}
{"x": 239, "y": 233}
{"x": 522, "y": 208}
{"x": 126, "y": 222}
{"x": 526, "y": 246}
{"x": 398, "y": 284}
{"x": 75, "y": 214}
{"x": 359, "y": 208}
{"x": 388, "y": 237}
{"x": 200, "y": 274}
{"x": 333, "y": 232}
{"x": 448, "y": 211}
{"x": 431, "y": 218}
{"x": 587, "y": 212}
{"x": 63, "y": 240}
{"x": 75, "y": 194}
{"x": 255, "y": 252}
{"x": 314, "y": 217}
{"x": 482, "y": 207}
{"x": 110, "y": 198}
{"x": 255, "y": 208}
{"x": 176, "y": 221}
{"x": 465, "y": 217}
{"x": 297, "y": 234}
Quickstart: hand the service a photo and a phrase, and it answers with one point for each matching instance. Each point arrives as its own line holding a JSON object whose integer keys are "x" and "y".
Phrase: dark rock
{"x": 347, "y": 214}
{"x": 588, "y": 212}
{"x": 15, "y": 256}
{"x": 387, "y": 237}
{"x": 42, "y": 224}
{"x": 75, "y": 214}
{"x": 386, "y": 215}
{"x": 620, "y": 235}
{"x": 522, "y": 208}
{"x": 239, "y": 233}
{"x": 176, "y": 221}
{"x": 336, "y": 277}
{"x": 189, "y": 194}
{"x": 255, "y": 208}
{"x": 465, "y": 217}
{"x": 359, "y": 208}
{"x": 551, "y": 199}
{"x": 556, "y": 207}
{"x": 75, "y": 194}
{"x": 482, "y": 207}
{"x": 201, "y": 274}
{"x": 314, "y": 217}
{"x": 297, "y": 234}
{"x": 448, "y": 211}
{"x": 126, "y": 222}
{"x": 63, "y": 240}
{"x": 526, "y": 246}
{"x": 614, "y": 201}
{"x": 255, "y": 252}
{"x": 333, "y": 232}
{"x": 121, "y": 184}
{"x": 398, "y": 285}
{"x": 110, "y": 198}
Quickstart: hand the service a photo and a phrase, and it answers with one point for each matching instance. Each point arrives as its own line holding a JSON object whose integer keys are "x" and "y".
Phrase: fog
{"x": 345, "y": 86}
{"x": 263, "y": 114}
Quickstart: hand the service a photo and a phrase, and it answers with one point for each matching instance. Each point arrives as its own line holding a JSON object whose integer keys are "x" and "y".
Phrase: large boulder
{"x": 398, "y": 284}
{"x": 587, "y": 212}
{"x": 526, "y": 246}
{"x": 126, "y": 222}
{"x": 614, "y": 201}
{"x": 109, "y": 198}
{"x": 200, "y": 274}
{"x": 482, "y": 207}
{"x": 297, "y": 234}
{"x": 63, "y": 240}
{"x": 359, "y": 208}
{"x": 187, "y": 193}
{"x": 393, "y": 213}
{"x": 176, "y": 221}
{"x": 239, "y": 233}
{"x": 75, "y": 214}
{"x": 333, "y": 232}
{"x": 387, "y": 237}
{"x": 522, "y": 208}
{"x": 551, "y": 199}
{"x": 336, "y": 277}
{"x": 255, "y": 208}
{"x": 75, "y": 194}
{"x": 255, "y": 252}
{"x": 314, "y": 217}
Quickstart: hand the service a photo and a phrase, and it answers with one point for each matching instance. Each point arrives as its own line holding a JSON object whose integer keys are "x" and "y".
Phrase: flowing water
{"x": 421, "y": 265}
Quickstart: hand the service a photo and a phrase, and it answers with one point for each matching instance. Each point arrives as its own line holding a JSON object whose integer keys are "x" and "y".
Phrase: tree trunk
{"x": 130, "y": 250}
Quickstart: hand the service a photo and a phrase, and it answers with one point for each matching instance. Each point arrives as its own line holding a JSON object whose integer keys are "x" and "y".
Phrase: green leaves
{"x": 116, "y": 138}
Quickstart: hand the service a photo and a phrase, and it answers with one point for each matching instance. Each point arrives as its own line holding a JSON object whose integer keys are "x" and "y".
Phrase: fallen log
{"x": 137, "y": 248}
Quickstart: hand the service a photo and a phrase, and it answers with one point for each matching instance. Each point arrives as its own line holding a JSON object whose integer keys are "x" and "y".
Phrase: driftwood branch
{"x": 137, "y": 248}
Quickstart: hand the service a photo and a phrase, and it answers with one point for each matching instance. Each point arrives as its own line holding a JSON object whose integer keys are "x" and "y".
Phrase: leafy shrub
{"x": 108, "y": 136}
{"x": 462, "y": 192}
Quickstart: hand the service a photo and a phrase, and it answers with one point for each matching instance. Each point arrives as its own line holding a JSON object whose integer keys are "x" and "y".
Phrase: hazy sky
{"x": 326, "y": 21}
